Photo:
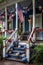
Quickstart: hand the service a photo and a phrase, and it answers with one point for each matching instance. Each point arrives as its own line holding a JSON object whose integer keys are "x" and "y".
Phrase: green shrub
{"x": 1, "y": 46}
{"x": 1, "y": 39}
{"x": 2, "y": 1}
{"x": 38, "y": 56}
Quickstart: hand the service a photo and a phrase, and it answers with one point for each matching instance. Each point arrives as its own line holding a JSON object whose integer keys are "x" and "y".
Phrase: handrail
{"x": 12, "y": 40}
{"x": 32, "y": 33}
{"x": 9, "y": 41}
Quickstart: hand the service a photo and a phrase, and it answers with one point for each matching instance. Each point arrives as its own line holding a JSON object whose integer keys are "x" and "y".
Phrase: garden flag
{"x": 20, "y": 13}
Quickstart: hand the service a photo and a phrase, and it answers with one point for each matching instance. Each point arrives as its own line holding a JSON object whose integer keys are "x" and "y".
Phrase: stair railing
{"x": 28, "y": 44}
{"x": 10, "y": 38}
{"x": 30, "y": 40}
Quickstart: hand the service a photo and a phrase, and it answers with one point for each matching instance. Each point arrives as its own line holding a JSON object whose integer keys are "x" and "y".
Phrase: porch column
{"x": 33, "y": 18}
{"x": 16, "y": 20}
{"x": 5, "y": 21}
{"x": 33, "y": 14}
{"x": 6, "y": 18}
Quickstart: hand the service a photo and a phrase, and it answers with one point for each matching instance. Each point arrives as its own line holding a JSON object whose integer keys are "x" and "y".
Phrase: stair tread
{"x": 14, "y": 59}
{"x": 17, "y": 51}
{"x": 19, "y": 48}
{"x": 15, "y": 54}
{"x": 23, "y": 55}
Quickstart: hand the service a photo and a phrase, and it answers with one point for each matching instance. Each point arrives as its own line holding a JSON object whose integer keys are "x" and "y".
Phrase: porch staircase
{"x": 17, "y": 53}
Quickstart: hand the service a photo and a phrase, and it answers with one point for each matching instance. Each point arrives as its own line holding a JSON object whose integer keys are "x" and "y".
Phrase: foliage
{"x": 2, "y": 1}
{"x": 1, "y": 39}
{"x": 38, "y": 56}
{"x": 38, "y": 64}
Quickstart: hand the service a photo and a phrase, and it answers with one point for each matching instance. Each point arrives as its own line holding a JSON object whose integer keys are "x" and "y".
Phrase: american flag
{"x": 20, "y": 13}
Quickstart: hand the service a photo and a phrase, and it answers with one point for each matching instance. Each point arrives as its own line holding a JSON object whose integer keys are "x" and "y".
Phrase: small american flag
{"x": 20, "y": 13}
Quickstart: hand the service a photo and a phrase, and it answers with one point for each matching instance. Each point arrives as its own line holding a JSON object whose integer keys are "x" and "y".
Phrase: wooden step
{"x": 17, "y": 60}
{"x": 16, "y": 51}
{"x": 14, "y": 54}
{"x": 14, "y": 59}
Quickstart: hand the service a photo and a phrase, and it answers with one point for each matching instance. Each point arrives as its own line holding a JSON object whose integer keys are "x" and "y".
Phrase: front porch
{"x": 12, "y": 27}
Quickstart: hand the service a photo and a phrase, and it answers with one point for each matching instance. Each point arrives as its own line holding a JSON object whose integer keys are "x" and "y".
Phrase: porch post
{"x": 5, "y": 32}
{"x": 16, "y": 20}
{"x": 5, "y": 21}
{"x": 6, "y": 18}
{"x": 4, "y": 53}
{"x": 33, "y": 18}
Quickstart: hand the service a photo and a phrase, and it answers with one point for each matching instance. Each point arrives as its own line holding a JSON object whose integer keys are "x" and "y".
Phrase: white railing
{"x": 31, "y": 35}
{"x": 39, "y": 36}
{"x": 10, "y": 40}
{"x": 11, "y": 36}
{"x": 28, "y": 45}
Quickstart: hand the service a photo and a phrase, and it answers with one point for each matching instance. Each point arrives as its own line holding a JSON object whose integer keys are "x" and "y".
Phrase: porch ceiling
{"x": 8, "y": 3}
{"x": 23, "y": 3}
{"x": 29, "y": 3}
